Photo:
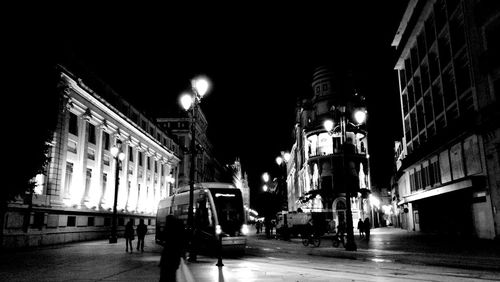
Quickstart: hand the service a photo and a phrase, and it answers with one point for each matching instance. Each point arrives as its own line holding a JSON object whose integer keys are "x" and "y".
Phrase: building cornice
{"x": 104, "y": 106}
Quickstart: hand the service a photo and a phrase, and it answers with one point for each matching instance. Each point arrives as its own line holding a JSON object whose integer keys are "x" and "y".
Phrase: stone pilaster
{"x": 57, "y": 166}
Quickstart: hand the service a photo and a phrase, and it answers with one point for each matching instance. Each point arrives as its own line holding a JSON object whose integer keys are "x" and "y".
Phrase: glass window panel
{"x": 420, "y": 116}
{"x": 433, "y": 64}
{"x": 404, "y": 100}
{"x": 437, "y": 95}
{"x": 422, "y": 49}
{"x": 448, "y": 87}
{"x": 424, "y": 71}
{"x": 428, "y": 108}
{"x": 462, "y": 72}
{"x": 430, "y": 30}
{"x": 413, "y": 121}
{"x": 411, "y": 96}
{"x": 418, "y": 88}
{"x": 414, "y": 59}
{"x": 444, "y": 50}
{"x": 440, "y": 14}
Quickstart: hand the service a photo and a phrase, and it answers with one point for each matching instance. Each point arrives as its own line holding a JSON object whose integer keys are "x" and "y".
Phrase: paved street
{"x": 385, "y": 258}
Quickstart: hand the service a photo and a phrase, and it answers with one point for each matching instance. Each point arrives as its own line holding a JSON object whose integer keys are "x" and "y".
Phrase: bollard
{"x": 219, "y": 260}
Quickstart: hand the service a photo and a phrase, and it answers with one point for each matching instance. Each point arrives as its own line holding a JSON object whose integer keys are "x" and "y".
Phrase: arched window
{"x": 340, "y": 205}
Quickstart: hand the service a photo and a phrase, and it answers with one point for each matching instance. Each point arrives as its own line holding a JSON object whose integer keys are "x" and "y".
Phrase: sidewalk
{"x": 397, "y": 245}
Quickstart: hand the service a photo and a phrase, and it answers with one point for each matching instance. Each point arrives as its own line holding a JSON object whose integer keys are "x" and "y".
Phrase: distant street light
{"x": 360, "y": 116}
{"x": 265, "y": 177}
{"x": 279, "y": 160}
{"x": 118, "y": 155}
{"x": 286, "y": 156}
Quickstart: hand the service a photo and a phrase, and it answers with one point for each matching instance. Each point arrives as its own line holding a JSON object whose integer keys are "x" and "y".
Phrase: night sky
{"x": 260, "y": 60}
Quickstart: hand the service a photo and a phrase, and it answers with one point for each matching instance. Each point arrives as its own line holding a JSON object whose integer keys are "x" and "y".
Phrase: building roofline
{"x": 404, "y": 23}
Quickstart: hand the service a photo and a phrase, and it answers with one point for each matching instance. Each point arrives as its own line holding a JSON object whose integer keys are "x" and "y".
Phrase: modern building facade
{"x": 448, "y": 169}
{"x": 316, "y": 178}
{"x": 74, "y": 200}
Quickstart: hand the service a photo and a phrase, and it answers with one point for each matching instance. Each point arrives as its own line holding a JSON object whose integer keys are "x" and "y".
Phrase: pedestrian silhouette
{"x": 361, "y": 228}
{"x": 257, "y": 226}
{"x": 173, "y": 249}
{"x": 129, "y": 235}
{"x": 367, "y": 228}
{"x": 141, "y": 230}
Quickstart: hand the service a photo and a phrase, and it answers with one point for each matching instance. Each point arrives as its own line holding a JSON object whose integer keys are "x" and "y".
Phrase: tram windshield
{"x": 229, "y": 207}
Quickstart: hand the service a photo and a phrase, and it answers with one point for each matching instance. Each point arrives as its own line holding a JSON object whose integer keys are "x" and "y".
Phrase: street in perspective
{"x": 390, "y": 255}
{"x": 358, "y": 143}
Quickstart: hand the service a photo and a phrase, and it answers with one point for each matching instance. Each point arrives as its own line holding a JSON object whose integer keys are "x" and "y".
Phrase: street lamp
{"x": 329, "y": 127}
{"x": 265, "y": 177}
{"x": 118, "y": 155}
{"x": 282, "y": 161}
{"x": 189, "y": 101}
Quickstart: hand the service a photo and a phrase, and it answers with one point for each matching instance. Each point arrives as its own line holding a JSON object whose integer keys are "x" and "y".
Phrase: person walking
{"x": 361, "y": 228}
{"x": 141, "y": 231}
{"x": 257, "y": 226}
{"x": 129, "y": 235}
{"x": 366, "y": 227}
{"x": 173, "y": 249}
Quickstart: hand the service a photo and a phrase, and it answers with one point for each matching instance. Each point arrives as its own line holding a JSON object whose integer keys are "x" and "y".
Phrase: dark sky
{"x": 259, "y": 58}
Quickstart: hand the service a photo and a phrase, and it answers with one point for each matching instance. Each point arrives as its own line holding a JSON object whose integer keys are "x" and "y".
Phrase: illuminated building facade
{"x": 207, "y": 167}
{"x": 449, "y": 76}
{"x": 315, "y": 176}
{"x": 74, "y": 200}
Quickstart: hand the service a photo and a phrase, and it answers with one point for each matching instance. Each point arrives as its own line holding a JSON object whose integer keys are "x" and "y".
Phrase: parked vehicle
{"x": 296, "y": 223}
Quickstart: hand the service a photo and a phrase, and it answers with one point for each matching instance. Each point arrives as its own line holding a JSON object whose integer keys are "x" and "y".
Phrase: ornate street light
{"x": 118, "y": 155}
{"x": 190, "y": 101}
{"x": 329, "y": 127}
{"x": 282, "y": 161}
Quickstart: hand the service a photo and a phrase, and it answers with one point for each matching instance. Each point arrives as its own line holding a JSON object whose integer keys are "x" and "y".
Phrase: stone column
{"x": 57, "y": 166}
{"x": 133, "y": 196}
{"x": 123, "y": 187}
{"x": 77, "y": 189}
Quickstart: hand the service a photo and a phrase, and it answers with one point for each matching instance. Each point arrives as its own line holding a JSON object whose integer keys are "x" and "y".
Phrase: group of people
{"x": 141, "y": 231}
{"x": 364, "y": 228}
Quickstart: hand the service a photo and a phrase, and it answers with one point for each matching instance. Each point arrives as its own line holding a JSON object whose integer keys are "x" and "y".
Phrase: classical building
{"x": 448, "y": 168}
{"x": 74, "y": 200}
{"x": 316, "y": 179}
{"x": 207, "y": 166}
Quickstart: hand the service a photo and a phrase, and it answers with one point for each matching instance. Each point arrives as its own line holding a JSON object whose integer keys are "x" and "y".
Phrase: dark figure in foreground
{"x": 361, "y": 228}
{"x": 267, "y": 225}
{"x": 129, "y": 235}
{"x": 367, "y": 228}
{"x": 173, "y": 249}
{"x": 141, "y": 230}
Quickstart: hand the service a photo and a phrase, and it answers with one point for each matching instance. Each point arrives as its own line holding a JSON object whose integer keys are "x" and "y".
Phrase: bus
{"x": 217, "y": 211}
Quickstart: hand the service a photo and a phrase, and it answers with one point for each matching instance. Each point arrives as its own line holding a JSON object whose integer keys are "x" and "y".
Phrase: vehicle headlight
{"x": 244, "y": 229}
{"x": 218, "y": 229}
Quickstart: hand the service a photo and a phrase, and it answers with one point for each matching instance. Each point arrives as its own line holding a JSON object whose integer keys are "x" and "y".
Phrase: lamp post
{"x": 329, "y": 127}
{"x": 118, "y": 155}
{"x": 190, "y": 101}
{"x": 282, "y": 161}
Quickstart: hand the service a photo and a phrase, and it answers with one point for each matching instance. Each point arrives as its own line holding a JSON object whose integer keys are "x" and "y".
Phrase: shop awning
{"x": 437, "y": 191}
